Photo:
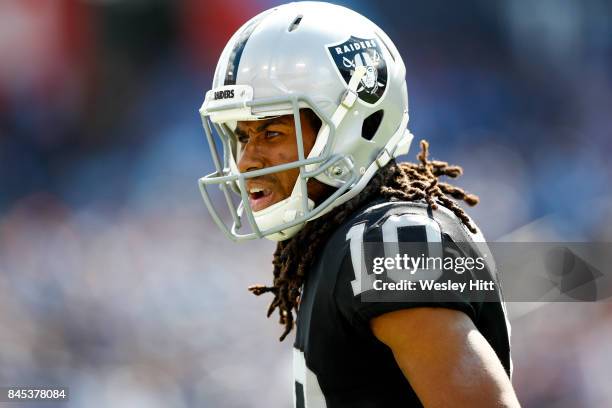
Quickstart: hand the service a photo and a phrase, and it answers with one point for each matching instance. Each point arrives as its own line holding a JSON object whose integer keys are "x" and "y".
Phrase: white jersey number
{"x": 391, "y": 242}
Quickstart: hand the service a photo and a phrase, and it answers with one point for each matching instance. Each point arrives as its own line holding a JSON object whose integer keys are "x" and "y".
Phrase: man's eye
{"x": 272, "y": 133}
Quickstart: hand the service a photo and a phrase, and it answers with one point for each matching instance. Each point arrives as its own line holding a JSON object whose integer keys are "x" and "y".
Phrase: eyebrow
{"x": 262, "y": 127}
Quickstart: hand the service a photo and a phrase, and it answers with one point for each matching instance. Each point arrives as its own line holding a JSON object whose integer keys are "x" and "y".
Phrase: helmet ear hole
{"x": 371, "y": 124}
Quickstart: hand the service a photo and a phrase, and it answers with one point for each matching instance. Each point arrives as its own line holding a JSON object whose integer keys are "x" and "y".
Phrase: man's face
{"x": 270, "y": 142}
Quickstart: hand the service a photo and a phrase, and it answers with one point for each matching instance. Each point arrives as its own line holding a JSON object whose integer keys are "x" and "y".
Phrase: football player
{"x": 309, "y": 108}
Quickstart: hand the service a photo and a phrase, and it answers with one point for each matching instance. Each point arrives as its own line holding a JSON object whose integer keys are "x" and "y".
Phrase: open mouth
{"x": 260, "y": 198}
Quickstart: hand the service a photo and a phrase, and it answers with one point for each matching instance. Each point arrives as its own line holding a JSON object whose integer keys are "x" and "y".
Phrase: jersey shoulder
{"x": 414, "y": 221}
{"x": 371, "y": 233}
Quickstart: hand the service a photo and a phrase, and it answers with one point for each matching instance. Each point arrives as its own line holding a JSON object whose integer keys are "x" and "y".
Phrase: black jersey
{"x": 337, "y": 360}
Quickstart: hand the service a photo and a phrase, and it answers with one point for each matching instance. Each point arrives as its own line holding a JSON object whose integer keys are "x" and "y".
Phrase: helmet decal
{"x": 355, "y": 52}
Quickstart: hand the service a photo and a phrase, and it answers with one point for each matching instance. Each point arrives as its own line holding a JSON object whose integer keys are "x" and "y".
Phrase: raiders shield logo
{"x": 358, "y": 51}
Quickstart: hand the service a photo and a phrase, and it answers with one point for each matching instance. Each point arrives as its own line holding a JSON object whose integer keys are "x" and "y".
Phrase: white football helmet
{"x": 306, "y": 55}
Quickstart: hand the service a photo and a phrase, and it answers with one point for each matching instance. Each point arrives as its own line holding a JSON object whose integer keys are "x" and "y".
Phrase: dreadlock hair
{"x": 403, "y": 181}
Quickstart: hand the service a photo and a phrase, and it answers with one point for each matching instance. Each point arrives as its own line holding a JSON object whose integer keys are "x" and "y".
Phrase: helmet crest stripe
{"x": 231, "y": 72}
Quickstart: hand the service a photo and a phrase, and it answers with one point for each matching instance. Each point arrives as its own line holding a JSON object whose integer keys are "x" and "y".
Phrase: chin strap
{"x": 346, "y": 103}
{"x": 398, "y": 144}
{"x": 350, "y": 96}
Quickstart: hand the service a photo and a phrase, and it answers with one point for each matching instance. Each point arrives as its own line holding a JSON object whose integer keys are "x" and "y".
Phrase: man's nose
{"x": 251, "y": 158}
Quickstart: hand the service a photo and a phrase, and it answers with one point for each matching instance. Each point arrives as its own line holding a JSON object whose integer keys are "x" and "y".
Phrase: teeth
{"x": 255, "y": 190}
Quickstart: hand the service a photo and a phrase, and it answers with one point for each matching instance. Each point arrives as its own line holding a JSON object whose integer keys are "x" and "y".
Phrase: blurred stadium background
{"x": 115, "y": 283}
